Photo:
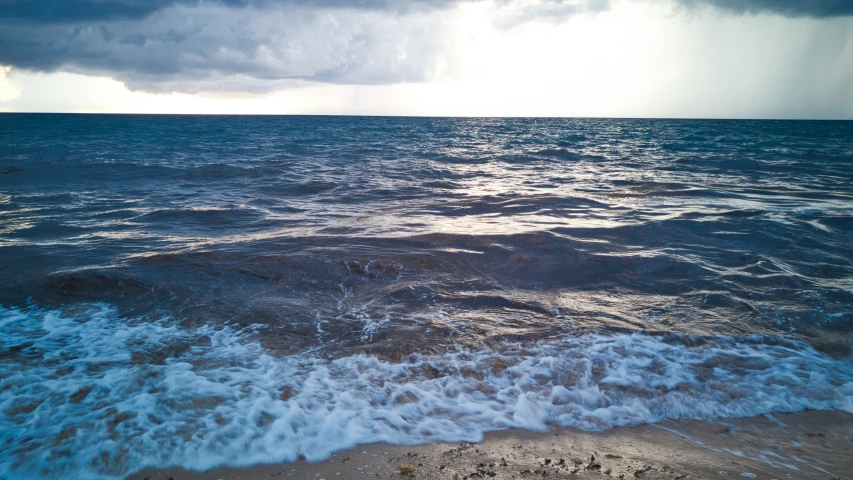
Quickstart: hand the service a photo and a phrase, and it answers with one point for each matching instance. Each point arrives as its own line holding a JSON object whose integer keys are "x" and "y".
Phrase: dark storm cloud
{"x": 244, "y": 45}
{"x": 62, "y": 11}
{"x": 788, "y": 8}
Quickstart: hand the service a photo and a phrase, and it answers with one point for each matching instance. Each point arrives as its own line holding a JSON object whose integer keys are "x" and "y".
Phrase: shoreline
{"x": 811, "y": 444}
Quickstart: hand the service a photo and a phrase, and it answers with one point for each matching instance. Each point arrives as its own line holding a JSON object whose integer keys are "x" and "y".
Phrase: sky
{"x": 567, "y": 58}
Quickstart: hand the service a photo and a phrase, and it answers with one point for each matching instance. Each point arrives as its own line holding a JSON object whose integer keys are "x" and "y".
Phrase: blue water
{"x": 209, "y": 290}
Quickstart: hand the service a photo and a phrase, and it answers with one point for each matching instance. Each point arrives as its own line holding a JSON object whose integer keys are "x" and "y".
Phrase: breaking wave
{"x": 87, "y": 393}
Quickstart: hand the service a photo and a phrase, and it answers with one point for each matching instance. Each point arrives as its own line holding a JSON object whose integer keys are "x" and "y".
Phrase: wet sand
{"x": 785, "y": 446}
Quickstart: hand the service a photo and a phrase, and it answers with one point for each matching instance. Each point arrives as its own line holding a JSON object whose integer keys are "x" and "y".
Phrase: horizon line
{"x": 506, "y": 117}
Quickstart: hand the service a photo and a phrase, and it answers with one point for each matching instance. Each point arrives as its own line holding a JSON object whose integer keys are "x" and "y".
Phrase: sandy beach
{"x": 785, "y": 446}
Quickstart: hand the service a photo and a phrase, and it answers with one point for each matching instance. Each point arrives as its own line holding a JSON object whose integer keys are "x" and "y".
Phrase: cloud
{"x": 226, "y": 45}
{"x": 788, "y": 8}
{"x": 263, "y": 45}
{"x": 8, "y": 89}
{"x": 67, "y": 11}
{"x": 217, "y": 47}
{"x": 246, "y": 45}
{"x": 513, "y": 13}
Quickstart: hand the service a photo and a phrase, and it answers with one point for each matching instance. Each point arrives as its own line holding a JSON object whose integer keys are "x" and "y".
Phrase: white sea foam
{"x": 371, "y": 326}
{"x": 160, "y": 397}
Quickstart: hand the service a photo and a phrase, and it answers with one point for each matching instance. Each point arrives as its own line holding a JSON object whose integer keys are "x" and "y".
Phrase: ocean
{"x": 200, "y": 291}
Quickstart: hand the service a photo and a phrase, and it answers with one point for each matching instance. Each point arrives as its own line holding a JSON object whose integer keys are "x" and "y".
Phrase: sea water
{"x": 200, "y": 291}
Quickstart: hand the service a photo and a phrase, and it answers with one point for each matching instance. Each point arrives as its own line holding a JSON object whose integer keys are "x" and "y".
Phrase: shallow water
{"x": 199, "y": 291}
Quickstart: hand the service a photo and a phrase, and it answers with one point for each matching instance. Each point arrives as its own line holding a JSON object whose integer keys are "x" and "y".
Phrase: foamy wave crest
{"x": 91, "y": 395}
